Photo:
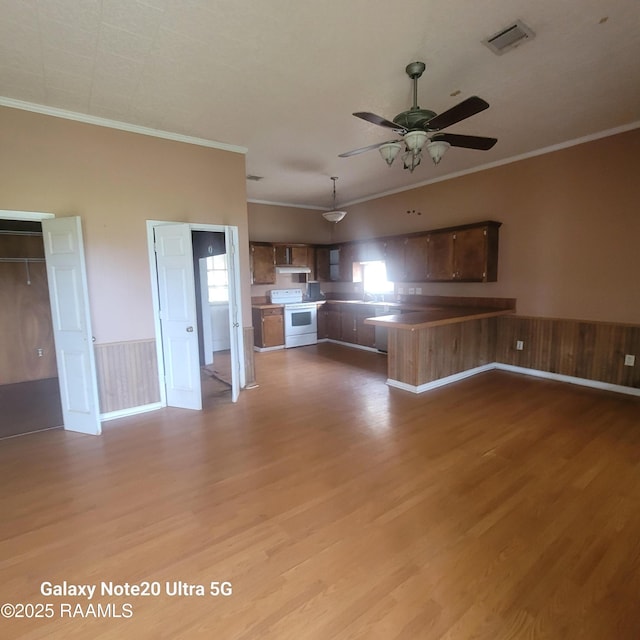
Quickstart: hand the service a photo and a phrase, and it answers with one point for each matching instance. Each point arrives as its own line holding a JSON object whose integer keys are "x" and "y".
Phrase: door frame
{"x": 38, "y": 216}
{"x": 153, "y": 273}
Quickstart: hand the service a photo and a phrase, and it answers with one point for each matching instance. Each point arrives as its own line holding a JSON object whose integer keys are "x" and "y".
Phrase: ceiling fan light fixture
{"x": 411, "y": 159}
{"x": 437, "y": 149}
{"x": 389, "y": 151}
{"x": 334, "y": 215}
{"x": 415, "y": 140}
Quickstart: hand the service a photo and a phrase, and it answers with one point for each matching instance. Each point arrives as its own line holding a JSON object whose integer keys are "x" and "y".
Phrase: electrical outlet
{"x": 418, "y": 291}
{"x": 629, "y": 360}
{"x": 519, "y": 345}
{"x": 411, "y": 291}
{"x": 40, "y": 353}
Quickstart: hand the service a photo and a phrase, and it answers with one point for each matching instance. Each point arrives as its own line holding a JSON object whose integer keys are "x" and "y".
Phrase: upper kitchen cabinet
{"x": 294, "y": 255}
{"x": 370, "y": 250}
{"x": 297, "y": 255}
{"x": 349, "y": 264}
{"x": 263, "y": 263}
{"x": 322, "y": 264}
{"x": 464, "y": 254}
{"x": 339, "y": 263}
{"x": 406, "y": 258}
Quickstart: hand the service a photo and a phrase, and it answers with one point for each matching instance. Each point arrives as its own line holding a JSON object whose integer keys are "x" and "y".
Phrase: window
{"x": 374, "y": 278}
{"x": 218, "y": 278}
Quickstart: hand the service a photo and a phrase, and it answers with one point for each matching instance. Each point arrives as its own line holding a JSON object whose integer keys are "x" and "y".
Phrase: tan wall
{"x": 273, "y": 223}
{"x": 115, "y": 181}
{"x": 570, "y": 233}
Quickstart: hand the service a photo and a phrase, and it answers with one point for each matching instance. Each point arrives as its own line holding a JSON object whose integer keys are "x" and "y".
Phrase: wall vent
{"x": 509, "y": 38}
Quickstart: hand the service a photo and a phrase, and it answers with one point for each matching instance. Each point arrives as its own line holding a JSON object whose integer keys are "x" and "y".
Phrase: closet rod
{"x": 22, "y": 259}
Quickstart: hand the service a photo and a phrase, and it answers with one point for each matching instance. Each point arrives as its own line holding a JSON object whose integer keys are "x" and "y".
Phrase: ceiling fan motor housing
{"x": 414, "y": 119}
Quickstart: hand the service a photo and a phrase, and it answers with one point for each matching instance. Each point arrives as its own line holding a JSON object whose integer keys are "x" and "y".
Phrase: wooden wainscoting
{"x": 588, "y": 350}
{"x": 424, "y": 355}
{"x": 249, "y": 361}
{"x": 127, "y": 374}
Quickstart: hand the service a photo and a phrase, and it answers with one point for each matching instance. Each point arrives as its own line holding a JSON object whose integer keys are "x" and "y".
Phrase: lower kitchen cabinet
{"x": 345, "y": 322}
{"x": 334, "y": 322}
{"x": 268, "y": 327}
{"x": 365, "y": 333}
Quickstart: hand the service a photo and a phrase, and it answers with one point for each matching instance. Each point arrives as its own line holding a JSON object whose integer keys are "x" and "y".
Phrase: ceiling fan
{"x": 420, "y": 128}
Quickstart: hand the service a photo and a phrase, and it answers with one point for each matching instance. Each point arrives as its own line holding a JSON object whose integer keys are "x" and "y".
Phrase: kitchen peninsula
{"x": 447, "y": 339}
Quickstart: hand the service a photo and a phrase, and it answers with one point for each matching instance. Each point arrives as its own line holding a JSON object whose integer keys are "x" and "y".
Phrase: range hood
{"x": 292, "y": 269}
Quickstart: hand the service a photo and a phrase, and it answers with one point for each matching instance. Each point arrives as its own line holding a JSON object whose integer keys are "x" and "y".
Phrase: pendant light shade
{"x": 334, "y": 215}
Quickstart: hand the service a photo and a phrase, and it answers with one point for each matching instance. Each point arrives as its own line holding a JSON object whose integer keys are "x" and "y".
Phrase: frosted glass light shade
{"x": 415, "y": 139}
{"x": 437, "y": 149}
{"x": 389, "y": 151}
{"x": 334, "y": 216}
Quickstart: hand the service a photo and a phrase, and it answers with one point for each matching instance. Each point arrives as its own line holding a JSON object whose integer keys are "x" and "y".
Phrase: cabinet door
{"x": 298, "y": 256}
{"x": 263, "y": 270}
{"x": 416, "y": 254}
{"x": 370, "y": 250}
{"x": 323, "y": 323}
{"x": 348, "y": 326}
{"x": 272, "y": 328}
{"x": 334, "y": 329}
{"x": 365, "y": 333}
{"x": 347, "y": 258}
{"x": 322, "y": 264}
{"x": 471, "y": 254}
{"x": 440, "y": 257}
{"x": 394, "y": 259}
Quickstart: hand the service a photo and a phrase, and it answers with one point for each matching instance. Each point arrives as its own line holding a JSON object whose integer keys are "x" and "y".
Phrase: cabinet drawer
{"x": 276, "y": 311}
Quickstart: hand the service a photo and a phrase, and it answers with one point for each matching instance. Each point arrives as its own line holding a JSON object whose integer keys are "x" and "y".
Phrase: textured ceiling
{"x": 282, "y": 77}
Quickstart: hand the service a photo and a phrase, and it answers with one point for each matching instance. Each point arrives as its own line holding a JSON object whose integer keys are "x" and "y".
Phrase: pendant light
{"x": 334, "y": 215}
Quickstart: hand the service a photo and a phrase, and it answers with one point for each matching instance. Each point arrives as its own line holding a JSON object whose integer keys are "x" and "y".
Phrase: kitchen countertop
{"x": 435, "y": 315}
{"x": 413, "y": 316}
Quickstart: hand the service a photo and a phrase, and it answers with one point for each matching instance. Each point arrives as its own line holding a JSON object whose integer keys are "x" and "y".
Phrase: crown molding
{"x": 498, "y": 163}
{"x": 115, "y": 124}
{"x": 288, "y": 204}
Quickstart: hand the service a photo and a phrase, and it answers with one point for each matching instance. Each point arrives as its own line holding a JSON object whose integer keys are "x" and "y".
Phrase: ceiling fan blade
{"x": 379, "y": 120}
{"x": 355, "y": 152}
{"x": 464, "y": 109}
{"x": 467, "y": 142}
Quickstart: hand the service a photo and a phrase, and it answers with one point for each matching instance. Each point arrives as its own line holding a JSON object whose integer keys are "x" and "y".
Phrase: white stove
{"x": 300, "y": 318}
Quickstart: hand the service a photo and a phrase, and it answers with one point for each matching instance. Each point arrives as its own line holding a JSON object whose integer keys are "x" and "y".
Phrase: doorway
{"x": 184, "y": 319}
{"x": 211, "y": 274}
{"x": 29, "y": 386}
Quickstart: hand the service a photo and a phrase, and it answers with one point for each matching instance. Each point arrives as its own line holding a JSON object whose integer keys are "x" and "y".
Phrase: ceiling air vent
{"x": 509, "y": 38}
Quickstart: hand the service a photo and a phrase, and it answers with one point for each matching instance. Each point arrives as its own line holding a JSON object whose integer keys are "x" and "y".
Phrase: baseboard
{"x": 547, "y": 375}
{"x": 441, "y": 382}
{"x": 352, "y": 345}
{"x": 131, "y": 411}
{"x": 583, "y": 382}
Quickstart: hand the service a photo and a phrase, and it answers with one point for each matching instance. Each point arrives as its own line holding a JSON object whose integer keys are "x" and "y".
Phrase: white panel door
{"x": 178, "y": 315}
{"x": 64, "y": 252}
{"x": 235, "y": 328}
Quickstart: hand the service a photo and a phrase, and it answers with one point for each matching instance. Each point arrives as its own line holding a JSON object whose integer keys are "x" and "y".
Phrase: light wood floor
{"x": 501, "y": 507}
